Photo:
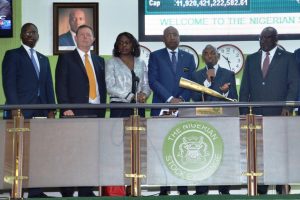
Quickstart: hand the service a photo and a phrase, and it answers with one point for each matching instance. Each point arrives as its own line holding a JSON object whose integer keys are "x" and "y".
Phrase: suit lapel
{"x": 78, "y": 59}
{"x": 275, "y": 59}
{"x": 96, "y": 66}
{"x": 257, "y": 63}
{"x": 42, "y": 65}
{"x": 180, "y": 59}
{"x": 166, "y": 57}
{"x": 27, "y": 57}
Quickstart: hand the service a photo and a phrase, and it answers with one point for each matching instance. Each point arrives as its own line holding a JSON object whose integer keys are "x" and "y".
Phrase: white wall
{"x": 115, "y": 16}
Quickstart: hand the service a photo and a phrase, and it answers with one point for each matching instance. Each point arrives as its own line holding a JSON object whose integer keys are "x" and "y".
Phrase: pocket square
{"x": 186, "y": 69}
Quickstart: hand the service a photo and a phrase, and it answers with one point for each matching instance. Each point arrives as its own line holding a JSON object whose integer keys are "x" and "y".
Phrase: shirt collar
{"x": 272, "y": 52}
{"x": 216, "y": 67}
{"x": 27, "y": 48}
{"x": 82, "y": 53}
{"x": 169, "y": 50}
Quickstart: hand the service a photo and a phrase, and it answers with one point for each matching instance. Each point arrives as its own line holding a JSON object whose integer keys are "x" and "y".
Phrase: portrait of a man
{"x": 69, "y": 20}
{"x": 67, "y": 17}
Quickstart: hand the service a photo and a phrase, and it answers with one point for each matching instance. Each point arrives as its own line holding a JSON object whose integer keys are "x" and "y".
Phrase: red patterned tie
{"x": 266, "y": 64}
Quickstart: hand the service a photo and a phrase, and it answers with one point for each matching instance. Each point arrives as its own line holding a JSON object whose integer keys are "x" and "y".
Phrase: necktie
{"x": 34, "y": 63}
{"x": 173, "y": 59}
{"x": 266, "y": 64}
{"x": 91, "y": 77}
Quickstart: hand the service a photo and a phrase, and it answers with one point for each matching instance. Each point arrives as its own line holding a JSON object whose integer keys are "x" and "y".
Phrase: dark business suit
{"x": 72, "y": 84}
{"x": 21, "y": 84}
{"x": 280, "y": 84}
{"x": 297, "y": 57}
{"x": 66, "y": 39}
{"x": 163, "y": 81}
{"x": 222, "y": 76}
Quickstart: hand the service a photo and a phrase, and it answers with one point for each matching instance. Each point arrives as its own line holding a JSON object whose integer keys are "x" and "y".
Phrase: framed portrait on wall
{"x": 67, "y": 17}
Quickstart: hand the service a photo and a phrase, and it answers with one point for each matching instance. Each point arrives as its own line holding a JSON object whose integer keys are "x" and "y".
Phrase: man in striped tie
{"x": 270, "y": 74}
{"x": 27, "y": 80}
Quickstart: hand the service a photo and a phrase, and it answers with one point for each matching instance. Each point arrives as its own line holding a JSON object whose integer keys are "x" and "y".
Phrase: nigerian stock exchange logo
{"x": 193, "y": 150}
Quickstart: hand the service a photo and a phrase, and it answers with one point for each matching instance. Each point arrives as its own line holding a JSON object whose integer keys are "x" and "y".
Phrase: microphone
{"x": 136, "y": 79}
{"x": 211, "y": 77}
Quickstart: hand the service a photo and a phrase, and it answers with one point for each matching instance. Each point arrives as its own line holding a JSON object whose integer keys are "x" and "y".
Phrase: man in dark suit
{"x": 76, "y": 19}
{"x": 271, "y": 74}
{"x": 297, "y": 56}
{"x": 216, "y": 78}
{"x": 164, "y": 76}
{"x": 27, "y": 80}
{"x": 166, "y": 67}
{"x": 80, "y": 79}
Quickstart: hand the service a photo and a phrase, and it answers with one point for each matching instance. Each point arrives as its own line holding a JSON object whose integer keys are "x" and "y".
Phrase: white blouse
{"x": 119, "y": 79}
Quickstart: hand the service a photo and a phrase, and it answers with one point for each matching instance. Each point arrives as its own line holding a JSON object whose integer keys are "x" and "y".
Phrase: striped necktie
{"x": 266, "y": 64}
{"x": 174, "y": 61}
{"x": 34, "y": 63}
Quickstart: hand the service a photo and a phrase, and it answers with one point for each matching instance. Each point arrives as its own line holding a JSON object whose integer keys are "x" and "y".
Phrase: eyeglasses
{"x": 30, "y": 33}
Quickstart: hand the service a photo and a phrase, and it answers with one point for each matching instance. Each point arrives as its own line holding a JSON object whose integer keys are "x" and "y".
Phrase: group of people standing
{"x": 83, "y": 77}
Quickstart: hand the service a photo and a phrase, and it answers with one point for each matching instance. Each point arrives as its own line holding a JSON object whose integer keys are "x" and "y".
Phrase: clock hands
{"x": 226, "y": 58}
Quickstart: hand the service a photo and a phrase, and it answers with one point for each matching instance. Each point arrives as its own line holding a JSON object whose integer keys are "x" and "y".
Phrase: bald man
{"x": 76, "y": 18}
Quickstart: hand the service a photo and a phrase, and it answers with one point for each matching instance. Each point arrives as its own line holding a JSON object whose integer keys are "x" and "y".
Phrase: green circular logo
{"x": 193, "y": 150}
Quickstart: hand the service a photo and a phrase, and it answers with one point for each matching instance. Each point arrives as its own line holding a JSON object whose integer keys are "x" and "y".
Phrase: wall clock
{"x": 231, "y": 57}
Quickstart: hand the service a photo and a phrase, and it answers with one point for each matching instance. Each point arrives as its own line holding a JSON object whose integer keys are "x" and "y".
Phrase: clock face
{"x": 192, "y": 51}
{"x": 231, "y": 57}
{"x": 145, "y": 53}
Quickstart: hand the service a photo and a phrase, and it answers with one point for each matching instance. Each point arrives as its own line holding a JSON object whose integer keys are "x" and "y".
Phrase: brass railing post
{"x": 251, "y": 153}
{"x": 135, "y": 151}
{"x": 16, "y": 179}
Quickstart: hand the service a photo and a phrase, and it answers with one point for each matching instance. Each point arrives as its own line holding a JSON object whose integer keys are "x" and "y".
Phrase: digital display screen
{"x": 218, "y": 20}
{"x": 6, "y": 18}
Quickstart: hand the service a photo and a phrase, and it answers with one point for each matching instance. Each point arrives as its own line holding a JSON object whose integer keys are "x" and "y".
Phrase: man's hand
{"x": 224, "y": 88}
{"x": 176, "y": 100}
{"x": 210, "y": 73}
{"x": 68, "y": 113}
{"x": 285, "y": 112}
{"x": 141, "y": 97}
{"x": 51, "y": 114}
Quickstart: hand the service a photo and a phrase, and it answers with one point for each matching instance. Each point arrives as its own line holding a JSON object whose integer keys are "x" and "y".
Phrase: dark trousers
{"x": 82, "y": 191}
{"x": 164, "y": 190}
{"x": 122, "y": 112}
{"x": 223, "y": 189}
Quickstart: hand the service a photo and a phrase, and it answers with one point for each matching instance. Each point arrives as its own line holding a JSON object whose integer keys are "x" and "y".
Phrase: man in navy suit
{"x": 280, "y": 82}
{"x": 166, "y": 67}
{"x": 164, "y": 76}
{"x": 27, "y": 80}
{"x": 76, "y": 19}
{"x": 297, "y": 56}
{"x": 80, "y": 78}
{"x": 216, "y": 78}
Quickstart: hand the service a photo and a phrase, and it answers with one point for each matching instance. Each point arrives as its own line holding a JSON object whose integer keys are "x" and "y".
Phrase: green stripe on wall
{"x": 10, "y": 43}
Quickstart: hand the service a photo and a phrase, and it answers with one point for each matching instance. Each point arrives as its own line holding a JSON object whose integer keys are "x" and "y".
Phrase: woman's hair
{"x": 135, "y": 45}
